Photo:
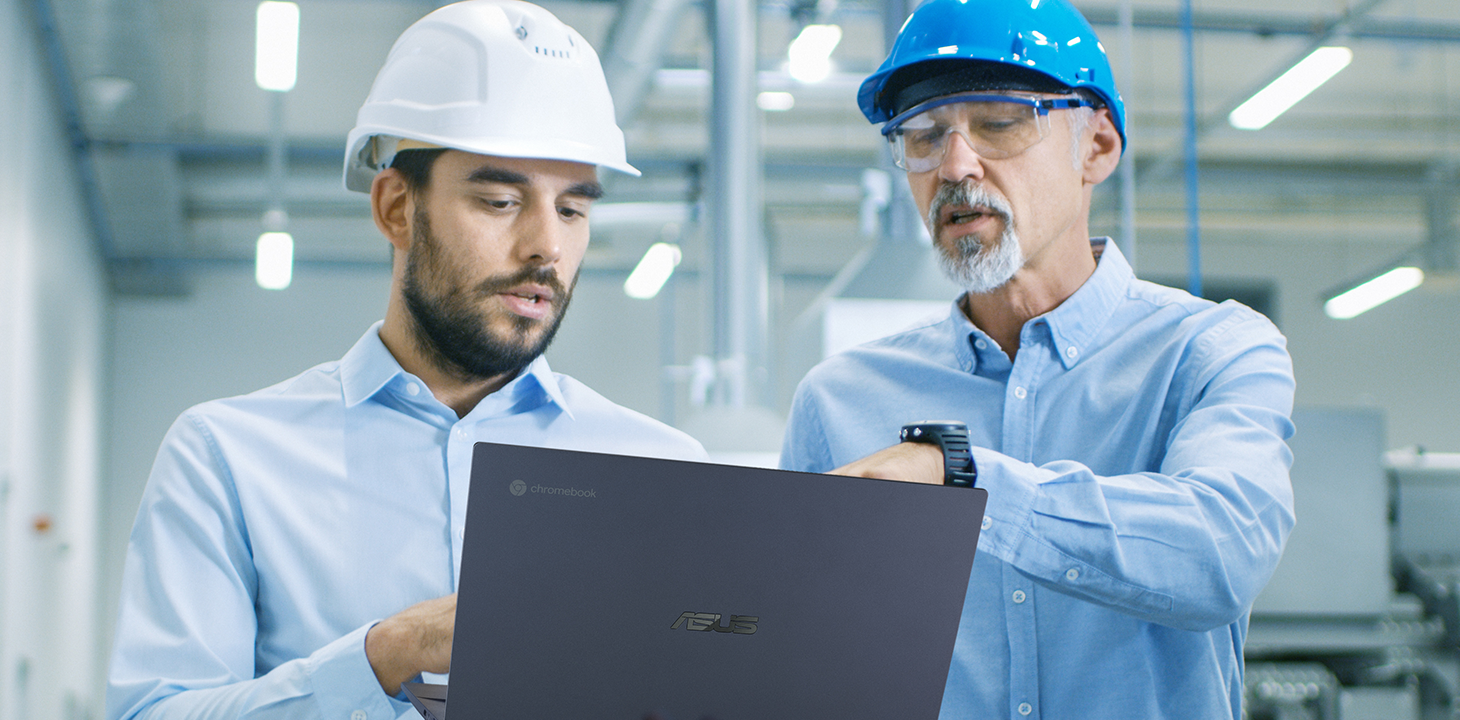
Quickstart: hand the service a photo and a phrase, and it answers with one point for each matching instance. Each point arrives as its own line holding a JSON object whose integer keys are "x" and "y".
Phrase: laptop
{"x": 628, "y": 588}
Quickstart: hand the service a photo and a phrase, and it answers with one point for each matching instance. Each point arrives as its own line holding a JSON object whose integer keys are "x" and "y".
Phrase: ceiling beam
{"x": 1273, "y": 24}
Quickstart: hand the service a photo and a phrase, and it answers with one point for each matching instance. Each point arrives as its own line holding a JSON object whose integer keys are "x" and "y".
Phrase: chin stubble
{"x": 965, "y": 260}
{"x": 453, "y": 329}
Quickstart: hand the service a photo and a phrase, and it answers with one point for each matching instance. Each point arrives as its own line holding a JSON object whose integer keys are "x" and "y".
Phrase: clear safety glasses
{"x": 995, "y": 126}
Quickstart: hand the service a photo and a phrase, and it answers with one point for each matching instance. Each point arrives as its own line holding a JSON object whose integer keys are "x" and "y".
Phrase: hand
{"x": 907, "y": 462}
{"x": 412, "y": 641}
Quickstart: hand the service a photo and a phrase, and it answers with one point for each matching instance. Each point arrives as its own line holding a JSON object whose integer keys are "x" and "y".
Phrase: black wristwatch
{"x": 952, "y": 438}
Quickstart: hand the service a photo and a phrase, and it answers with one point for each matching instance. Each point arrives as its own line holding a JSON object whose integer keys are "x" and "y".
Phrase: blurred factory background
{"x": 143, "y": 163}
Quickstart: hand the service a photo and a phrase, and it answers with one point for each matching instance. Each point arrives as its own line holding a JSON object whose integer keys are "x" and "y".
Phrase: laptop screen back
{"x": 605, "y": 586}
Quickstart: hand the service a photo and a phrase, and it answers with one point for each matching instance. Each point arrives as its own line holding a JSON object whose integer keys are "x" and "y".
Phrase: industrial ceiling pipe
{"x": 735, "y": 208}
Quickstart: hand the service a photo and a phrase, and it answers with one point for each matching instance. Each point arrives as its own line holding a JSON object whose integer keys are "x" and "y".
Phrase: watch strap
{"x": 952, "y": 439}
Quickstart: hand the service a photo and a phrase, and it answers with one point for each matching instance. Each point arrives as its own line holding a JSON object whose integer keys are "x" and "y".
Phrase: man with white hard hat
{"x": 1131, "y": 437}
{"x": 297, "y": 549}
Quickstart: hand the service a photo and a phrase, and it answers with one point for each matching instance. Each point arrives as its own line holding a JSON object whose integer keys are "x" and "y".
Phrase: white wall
{"x": 52, "y": 328}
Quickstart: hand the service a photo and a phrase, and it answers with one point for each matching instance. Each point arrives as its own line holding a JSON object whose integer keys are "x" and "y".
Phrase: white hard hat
{"x": 493, "y": 77}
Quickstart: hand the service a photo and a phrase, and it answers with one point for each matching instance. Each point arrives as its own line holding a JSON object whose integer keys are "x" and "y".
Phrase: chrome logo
{"x": 518, "y": 488}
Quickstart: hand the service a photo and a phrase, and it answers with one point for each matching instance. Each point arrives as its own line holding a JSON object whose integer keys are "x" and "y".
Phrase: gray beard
{"x": 968, "y": 263}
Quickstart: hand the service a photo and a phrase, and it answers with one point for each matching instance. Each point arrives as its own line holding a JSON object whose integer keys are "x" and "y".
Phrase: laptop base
{"x": 430, "y": 700}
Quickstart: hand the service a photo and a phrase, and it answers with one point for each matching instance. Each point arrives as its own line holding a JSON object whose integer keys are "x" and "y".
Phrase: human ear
{"x": 1103, "y": 152}
{"x": 390, "y": 205}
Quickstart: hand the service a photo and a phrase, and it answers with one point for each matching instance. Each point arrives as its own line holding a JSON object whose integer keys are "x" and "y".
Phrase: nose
{"x": 960, "y": 160}
{"x": 540, "y": 235}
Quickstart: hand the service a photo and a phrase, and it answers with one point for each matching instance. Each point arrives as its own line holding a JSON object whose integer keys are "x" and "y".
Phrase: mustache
{"x": 538, "y": 275}
{"x": 966, "y": 193}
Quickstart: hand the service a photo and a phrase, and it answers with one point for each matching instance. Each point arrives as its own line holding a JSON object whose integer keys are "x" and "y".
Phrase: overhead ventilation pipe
{"x": 735, "y": 209}
{"x": 635, "y": 51}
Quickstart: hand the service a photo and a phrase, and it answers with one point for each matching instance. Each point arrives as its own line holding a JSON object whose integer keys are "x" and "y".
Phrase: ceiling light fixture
{"x": 810, "y": 53}
{"x": 1292, "y": 86}
{"x": 1373, "y": 292}
{"x": 276, "y": 46}
{"x": 652, "y": 271}
{"x": 274, "y": 262}
{"x": 775, "y": 101}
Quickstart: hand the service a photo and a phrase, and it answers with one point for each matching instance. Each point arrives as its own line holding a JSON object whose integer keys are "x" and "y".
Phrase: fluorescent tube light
{"x": 1292, "y": 86}
{"x": 274, "y": 262}
{"x": 652, "y": 271}
{"x": 810, "y": 52}
{"x": 775, "y": 101}
{"x": 1374, "y": 293}
{"x": 276, "y": 46}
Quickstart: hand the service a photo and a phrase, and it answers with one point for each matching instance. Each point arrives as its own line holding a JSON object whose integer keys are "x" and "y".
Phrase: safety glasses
{"x": 995, "y": 126}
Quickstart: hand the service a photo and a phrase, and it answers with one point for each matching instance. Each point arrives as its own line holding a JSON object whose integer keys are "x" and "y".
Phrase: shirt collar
{"x": 533, "y": 386}
{"x": 369, "y": 367}
{"x": 1074, "y": 324}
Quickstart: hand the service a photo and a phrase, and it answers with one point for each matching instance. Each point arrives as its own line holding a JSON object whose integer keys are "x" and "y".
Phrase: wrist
{"x": 951, "y": 438}
{"x": 385, "y": 650}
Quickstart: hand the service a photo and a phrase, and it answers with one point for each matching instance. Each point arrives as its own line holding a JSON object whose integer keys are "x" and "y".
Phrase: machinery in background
{"x": 1361, "y": 621}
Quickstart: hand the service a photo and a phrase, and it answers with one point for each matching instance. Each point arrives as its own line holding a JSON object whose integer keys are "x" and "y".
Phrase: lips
{"x": 965, "y": 218}
{"x": 528, "y": 300}
{"x": 958, "y": 216}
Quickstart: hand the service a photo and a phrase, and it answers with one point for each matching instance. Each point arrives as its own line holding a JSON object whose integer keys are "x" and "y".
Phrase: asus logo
{"x": 704, "y": 622}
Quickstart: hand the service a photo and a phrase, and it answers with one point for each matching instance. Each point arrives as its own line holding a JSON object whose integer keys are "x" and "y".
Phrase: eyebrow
{"x": 591, "y": 190}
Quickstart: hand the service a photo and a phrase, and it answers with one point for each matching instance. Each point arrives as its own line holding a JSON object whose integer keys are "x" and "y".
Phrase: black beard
{"x": 454, "y": 334}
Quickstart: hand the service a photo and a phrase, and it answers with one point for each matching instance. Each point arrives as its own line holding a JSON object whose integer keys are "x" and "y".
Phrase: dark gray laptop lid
{"x": 607, "y": 586}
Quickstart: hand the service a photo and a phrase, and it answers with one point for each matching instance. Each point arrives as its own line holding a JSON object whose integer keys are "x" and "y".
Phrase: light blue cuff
{"x": 1011, "y": 502}
{"x": 344, "y": 684}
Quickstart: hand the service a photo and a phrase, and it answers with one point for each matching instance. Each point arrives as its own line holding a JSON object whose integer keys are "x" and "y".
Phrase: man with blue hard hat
{"x": 1132, "y": 438}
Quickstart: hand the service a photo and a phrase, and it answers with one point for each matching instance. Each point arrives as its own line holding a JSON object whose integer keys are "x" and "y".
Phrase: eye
{"x": 997, "y": 124}
{"x": 498, "y": 202}
{"x": 925, "y": 137}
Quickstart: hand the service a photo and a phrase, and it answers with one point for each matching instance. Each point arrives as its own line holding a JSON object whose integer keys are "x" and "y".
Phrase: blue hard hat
{"x": 950, "y": 46}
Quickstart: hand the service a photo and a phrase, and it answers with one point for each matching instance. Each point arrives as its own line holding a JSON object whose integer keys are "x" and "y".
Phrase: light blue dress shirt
{"x": 278, "y": 526}
{"x": 1136, "y": 463}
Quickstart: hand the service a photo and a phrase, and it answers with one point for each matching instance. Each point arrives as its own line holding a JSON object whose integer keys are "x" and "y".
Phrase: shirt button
{"x": 413, "y": 389}
{"x": 1072, "y": 574}
{"x": 1072, "y": 352}
{"x": 1025, "y": 708}
{"x": 1020, "y": 393}
{"x": 988, "y": 522}
{"x": 981, "y": 344}
{"x": 1018, "y": 597}
{"x": 358, "y": 715}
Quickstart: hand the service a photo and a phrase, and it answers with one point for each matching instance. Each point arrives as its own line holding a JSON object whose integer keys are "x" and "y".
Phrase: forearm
{"x": 333, "y": 682}
{"x": 1190, "y": 549}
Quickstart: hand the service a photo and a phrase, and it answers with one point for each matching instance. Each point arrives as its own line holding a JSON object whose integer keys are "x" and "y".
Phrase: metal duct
{"x": 736, "y": 207}
{"x": 635, "y": 50}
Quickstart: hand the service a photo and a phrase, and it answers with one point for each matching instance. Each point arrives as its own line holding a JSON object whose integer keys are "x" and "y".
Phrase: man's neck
{"x": 1035, "y": 290}
{"x": 453, "y": 389}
